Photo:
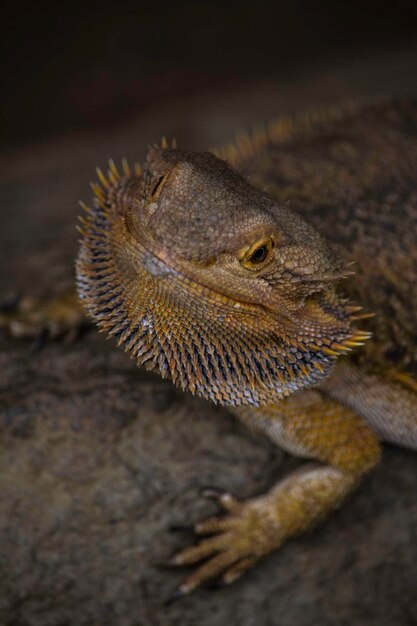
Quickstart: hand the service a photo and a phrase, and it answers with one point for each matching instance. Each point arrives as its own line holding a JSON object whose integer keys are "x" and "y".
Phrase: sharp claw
{"x": 183, "y": 590}
{"x": 229, "y": 579}
{"x": 174, "y": 598}
{"x": 212, "y": 493}
{"x": 215, "y": 585}
{"x": 223, "y": 498}
{"x": 173, "y": 562}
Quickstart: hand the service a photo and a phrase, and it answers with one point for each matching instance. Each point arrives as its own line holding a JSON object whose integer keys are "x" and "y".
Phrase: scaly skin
{"x": 228, "y": 292}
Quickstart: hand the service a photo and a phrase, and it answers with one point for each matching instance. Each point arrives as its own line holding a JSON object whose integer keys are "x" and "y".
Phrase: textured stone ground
{"x": 97, "y": 458}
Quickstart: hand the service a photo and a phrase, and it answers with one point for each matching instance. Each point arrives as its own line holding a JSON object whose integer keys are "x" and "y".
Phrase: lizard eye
{"x": 258, "y": 253}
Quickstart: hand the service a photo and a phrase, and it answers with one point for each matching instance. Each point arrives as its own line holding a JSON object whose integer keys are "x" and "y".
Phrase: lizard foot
{"x": 33, "y": 318}
{"x": 253, "y": 529}
{"x": 235, "y": 543}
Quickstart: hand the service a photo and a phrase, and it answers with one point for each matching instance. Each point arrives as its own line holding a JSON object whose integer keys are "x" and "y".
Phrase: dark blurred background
{"x": 91, "y": 65}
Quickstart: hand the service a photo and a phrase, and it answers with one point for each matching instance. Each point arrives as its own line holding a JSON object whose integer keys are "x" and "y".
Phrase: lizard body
{"x": 224, "y": 288}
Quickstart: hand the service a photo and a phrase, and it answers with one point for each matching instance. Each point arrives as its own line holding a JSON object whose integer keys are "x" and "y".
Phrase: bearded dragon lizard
{"x": 210, "y": 269}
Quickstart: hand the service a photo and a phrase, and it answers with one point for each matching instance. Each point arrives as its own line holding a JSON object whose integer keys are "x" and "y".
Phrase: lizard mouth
{"x": 324, "y": 312}
{"x": 160, "y": 265}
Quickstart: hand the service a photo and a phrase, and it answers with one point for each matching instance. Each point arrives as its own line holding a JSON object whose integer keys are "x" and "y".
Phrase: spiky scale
{"x": 102, "y": 178}
{"x": 114, "y": 171}
{"x": 126, "y": 168}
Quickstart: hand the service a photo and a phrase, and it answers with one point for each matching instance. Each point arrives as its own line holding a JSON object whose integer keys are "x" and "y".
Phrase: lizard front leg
{"x": 308, "y": 425}
{"x": 30, "y": 318}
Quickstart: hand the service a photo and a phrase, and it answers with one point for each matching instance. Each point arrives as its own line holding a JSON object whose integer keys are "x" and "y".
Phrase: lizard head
{"x": 208, "y": 280}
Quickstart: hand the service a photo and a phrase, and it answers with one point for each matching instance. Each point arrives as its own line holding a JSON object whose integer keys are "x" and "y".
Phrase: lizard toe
{"x": 223, "y": 498}
{"x": 196, "y": 553}
{"x": 213, "y": 568}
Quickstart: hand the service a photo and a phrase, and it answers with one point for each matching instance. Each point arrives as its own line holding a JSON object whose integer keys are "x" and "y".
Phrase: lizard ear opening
{"x": 158, "y": 186}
